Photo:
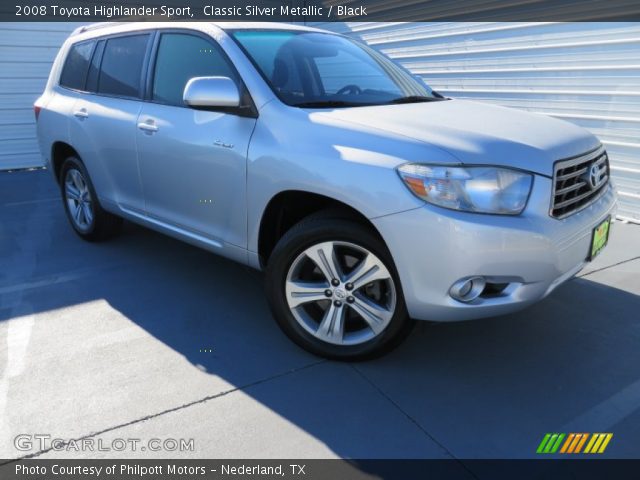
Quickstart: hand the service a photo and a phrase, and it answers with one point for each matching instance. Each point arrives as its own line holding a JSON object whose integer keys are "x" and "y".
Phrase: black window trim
{"x": 247, "y": 106}
{"x": 86, "y": 75}
{"x": 101, "y": 43}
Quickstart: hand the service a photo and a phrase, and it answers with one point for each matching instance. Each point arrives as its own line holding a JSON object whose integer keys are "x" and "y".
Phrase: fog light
{"x": 467, "y": 289}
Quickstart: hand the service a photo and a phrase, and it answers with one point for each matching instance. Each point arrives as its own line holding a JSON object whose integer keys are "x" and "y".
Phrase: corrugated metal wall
{"x": 26, "y": 53}
{"x": 586, "y": 73}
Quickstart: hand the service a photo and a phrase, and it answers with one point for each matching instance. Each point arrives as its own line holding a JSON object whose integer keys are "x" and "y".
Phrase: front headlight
{"x": 472, "y": 189}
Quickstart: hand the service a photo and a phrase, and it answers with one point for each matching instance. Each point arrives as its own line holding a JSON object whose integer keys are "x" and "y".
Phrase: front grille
{"x": 578, "y": 182}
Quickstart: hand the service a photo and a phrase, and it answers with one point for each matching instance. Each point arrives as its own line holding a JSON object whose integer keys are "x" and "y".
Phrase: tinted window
{"x": 182, "y": 57}
{"x": 74, "y": 72}
{"x": 122, "y": 65}
{"x": 310, "y": 69}
{"x": 335, "y": 72}
{"x": 281, "y": 70}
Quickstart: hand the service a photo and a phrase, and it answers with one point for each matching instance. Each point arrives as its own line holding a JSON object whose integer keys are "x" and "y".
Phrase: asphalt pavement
{"x": 145, "y": 337}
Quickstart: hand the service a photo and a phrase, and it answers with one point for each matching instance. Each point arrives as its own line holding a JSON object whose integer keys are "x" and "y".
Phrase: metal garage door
{"x": 586, "y": 73}
{"x": 26, "y": 53}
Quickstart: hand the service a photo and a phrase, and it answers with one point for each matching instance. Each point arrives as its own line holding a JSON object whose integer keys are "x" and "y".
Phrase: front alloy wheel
{"x": 340, "y": 293}
{"x": 333, "y": 289}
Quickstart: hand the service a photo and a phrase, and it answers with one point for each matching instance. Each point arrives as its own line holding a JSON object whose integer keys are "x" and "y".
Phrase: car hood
{"x": 476, "y": 133}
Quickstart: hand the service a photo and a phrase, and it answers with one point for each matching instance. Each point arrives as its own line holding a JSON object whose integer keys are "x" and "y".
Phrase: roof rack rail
{"x": 94, "y": 26}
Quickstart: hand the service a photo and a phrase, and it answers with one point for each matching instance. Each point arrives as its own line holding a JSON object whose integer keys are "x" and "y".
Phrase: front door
{"x": 193, "y": 162}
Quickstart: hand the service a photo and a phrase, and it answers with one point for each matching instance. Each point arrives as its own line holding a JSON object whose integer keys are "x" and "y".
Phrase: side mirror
{"x": 211, "y": 92}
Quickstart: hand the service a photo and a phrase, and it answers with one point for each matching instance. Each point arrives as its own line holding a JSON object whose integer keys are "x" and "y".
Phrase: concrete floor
{"x": 106, "y": 341}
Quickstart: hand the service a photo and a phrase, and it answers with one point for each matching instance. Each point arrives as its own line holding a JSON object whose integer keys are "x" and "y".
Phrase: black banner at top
{"x": 319, "y": 10}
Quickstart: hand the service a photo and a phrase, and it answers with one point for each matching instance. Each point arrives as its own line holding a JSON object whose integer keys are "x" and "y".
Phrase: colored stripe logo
{"x": 574, "y": 443}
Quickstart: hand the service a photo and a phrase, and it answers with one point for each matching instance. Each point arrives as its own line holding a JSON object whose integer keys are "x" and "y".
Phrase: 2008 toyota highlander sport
{"x": 368, "y": 198}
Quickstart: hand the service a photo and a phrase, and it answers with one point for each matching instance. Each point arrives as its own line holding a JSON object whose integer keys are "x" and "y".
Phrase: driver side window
{"x": 180, "y": 58}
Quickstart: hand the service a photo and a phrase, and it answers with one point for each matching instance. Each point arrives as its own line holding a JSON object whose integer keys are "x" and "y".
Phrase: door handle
{"x": 148, "y": 126}
{"x": 82, "y": 113}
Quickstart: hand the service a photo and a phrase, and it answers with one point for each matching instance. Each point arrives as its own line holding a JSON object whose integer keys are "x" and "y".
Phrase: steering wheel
{"x": 353, "y": 89}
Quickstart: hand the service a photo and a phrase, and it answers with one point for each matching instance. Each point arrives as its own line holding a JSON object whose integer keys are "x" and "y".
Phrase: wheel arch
{"x": 289, "y": 207}
{"x": 60, "y": 151}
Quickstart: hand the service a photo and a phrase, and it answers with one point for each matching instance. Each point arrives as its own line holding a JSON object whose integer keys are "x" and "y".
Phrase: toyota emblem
{"x": 594, "y": 176}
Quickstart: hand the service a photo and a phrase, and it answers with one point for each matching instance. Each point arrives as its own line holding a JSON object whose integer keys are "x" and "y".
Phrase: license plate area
{"x": 599, "y": 238}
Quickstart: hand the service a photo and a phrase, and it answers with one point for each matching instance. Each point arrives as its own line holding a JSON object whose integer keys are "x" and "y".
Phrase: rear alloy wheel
{"x": 333, "y": 289}
{"x": 87, "y": 217}
{"x": 78, "y": 198}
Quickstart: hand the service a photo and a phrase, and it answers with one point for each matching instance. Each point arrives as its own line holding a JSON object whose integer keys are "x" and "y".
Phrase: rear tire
{"x": 359, "y": 313}
{"x": 88, "y": 219}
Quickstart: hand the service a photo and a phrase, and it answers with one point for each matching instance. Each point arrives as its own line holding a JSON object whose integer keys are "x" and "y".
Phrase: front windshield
{"x": 309, "y": 69}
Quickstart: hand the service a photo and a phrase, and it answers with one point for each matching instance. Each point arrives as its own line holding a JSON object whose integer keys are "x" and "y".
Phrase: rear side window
{"x": 120, "y": 72}
{"x": 74, "y": 72}
{"x": 182, "y": 57}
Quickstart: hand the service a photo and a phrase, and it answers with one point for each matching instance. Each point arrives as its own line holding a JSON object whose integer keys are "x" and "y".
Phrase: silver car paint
{"x": 196, "y": 92}
{"x": 190, "y": 178}
{"x": 106, "y": 130}
{"x": 212, "y": 189}
{"x": 478, "y": 133}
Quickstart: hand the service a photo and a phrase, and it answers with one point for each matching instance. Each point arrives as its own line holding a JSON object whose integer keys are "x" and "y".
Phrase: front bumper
{"x": 533, "y": 253}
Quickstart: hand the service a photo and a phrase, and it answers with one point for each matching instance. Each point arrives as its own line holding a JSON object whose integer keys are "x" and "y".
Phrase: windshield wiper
{"x": 329, "y": 104}
{"x": 415, "y": 99}
{"x": 343, "y": 103}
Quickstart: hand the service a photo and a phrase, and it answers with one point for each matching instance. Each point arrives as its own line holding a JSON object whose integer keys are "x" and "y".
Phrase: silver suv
{"x": 368, "y": 198}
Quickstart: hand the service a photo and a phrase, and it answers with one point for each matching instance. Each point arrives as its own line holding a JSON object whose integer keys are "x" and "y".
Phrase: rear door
{"x": 103, "y": 127}
{"x": 193, "y": 162}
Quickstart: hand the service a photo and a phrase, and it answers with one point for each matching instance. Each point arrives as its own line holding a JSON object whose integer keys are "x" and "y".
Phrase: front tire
{"x": 334, "y": 290}
{"x": 88, "y": 219}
